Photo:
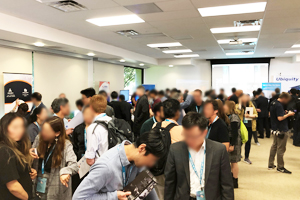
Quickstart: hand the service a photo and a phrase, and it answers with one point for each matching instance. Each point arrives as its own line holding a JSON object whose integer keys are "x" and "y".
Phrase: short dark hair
{"x": 284, "y": 95}
{"x": 153, "y": 92}
{"x": 88, "y": 92}
{"x": 259, "y": 91}
{"x": 214, "y": 104}
{"x": 171, "y": 106}
{"x": 157, "y": 107}
{"x": 114, "y": 95}
{"x": 254, "y": 93}
{"x": 233, "y": 90}
{"x": 294, "y": 91}
{"x": 154, "y": 143}
{"x": 79, "y": 102}
{"x": 222, "y": 89}
{"x": 194, "y": 119}
{"x": 197, "y": 90}
{"x": 37, "y": 96}
{"x": 277, "y": 90}
{"x": 167, "y": 90}
{"x": 161, "y": 93}
{"x": 122, "y": 97}
{"x": 103, "y": 92}
{"x": 56, "y": 103}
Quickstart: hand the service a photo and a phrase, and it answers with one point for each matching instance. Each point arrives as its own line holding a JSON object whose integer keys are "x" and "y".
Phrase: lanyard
{"x": 101, "y": 115}
{"x": 154, "y": 119}
{"x": 125, "y": 180}
{"x": 202, "y": 166}
{"x": 37, "y": 124}
{"x": 168, "y": 120}
{"x": 210, "y": 127}
{"x": 85, "y": 139}
{"x": 199, "y": 110}
{"x": 43, "y": 163}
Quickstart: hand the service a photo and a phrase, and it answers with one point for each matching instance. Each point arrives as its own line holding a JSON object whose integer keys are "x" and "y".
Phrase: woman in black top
{"x": 79, "y": 141}
{"x": 35, "y": 122}
{"x": 15, "y": 171}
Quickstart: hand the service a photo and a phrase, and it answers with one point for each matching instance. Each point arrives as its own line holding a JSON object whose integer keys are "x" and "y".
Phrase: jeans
{"x": 248, "y": 143}
{"x": 278, "y": 147}
{"x": 263, "y": 123}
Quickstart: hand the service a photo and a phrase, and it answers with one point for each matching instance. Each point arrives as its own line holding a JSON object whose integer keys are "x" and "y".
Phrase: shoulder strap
{"x": 170, "y": 126}
{"x": 158, "y": 125}
{"x": 102, "y": 123}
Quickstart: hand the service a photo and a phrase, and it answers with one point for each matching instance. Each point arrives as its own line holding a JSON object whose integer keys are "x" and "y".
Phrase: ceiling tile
{"x": 175, "y": 5}
{"x": 133, "y": 2}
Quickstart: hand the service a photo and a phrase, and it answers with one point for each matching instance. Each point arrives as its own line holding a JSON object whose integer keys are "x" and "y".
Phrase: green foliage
{"x": 129, "y": 76}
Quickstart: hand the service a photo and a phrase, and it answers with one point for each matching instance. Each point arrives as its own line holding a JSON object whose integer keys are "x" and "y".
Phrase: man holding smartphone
{"x": 279, "y": 125}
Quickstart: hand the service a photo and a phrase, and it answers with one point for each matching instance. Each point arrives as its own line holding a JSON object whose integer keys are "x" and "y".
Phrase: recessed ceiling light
{"x": 172, "y": 44}
{"x": 292, "y": 52}
{"x": 116, "y": 20}
{"x": 178, "y": 51}
{"x": 233, "y": 9}
{"x": 239, "y": 53}
{"x": 122, "y": 60}
{"x": 235, "y": 29}
{"x": 39, "y": 44}
{"x": 186, "y": 56}
{"x": 171, "y": 65}
{"x": 142, "y": 64}
{"x": 296, "y": 46}
{"x": 91, "y": 54}
{"x": 243, "y": 40}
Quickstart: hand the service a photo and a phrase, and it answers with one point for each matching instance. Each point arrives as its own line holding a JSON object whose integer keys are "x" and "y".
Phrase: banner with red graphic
{"x": 17, "y": 86}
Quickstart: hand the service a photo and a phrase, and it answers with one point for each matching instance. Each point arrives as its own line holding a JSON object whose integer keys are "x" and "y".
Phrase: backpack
{"x": 159, "y": 167}
{"x": 244, "y": 133}
{"x": 118, "y": 131}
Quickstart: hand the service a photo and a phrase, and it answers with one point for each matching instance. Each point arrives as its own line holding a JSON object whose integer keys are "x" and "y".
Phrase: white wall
{"x": 56, "y": 74}
{"x": 15, "y": 61}
{"x": 285, "y": 66}
{"x": 182, "y": 77}
{"x": 109, "y": 72}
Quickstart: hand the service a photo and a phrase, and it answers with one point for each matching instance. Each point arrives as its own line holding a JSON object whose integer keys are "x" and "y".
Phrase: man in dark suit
{"x": 197, "y": 166}
{"x": 197, "y": 103}
{"x": 36, "y": 99}
{"x": 116, "y": 105}
{"x": 141, "y": 113}
{"x": 262, "y": 105}
{"x": 126, "y": 109}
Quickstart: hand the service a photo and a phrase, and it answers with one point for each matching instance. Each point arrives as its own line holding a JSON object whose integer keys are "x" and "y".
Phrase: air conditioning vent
{"x": 67, "y": 6}
{"x": 253, "y": 22}
{"x": 128, "y": 33}
{"x": 163, "y": 48}
{"x": 135, "y": 35}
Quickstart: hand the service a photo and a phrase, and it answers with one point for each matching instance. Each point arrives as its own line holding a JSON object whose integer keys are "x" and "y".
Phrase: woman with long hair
{"x": 23, "y": 109}
{"x": 244, "y": 102}
{"x": 57, "y": 161}
{"x": 35, "y": 122}
{"x": 15, "y": 171}
{"x": 235, "y": 140}
{"x": 221, "y": 114}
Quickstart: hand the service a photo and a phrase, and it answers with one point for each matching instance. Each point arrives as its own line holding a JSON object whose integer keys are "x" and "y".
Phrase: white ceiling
{"x": 180, "y": 18}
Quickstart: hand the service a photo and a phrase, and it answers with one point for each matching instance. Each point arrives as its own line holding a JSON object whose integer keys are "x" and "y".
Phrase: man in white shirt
{"x": 197, "y": 166}
{"x": 97, "y": 135}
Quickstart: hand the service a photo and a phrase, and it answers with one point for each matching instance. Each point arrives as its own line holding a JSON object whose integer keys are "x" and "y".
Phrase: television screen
{"x": 125, "y": 93}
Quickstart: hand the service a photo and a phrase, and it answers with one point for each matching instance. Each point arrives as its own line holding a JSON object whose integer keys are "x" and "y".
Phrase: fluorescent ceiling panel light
{"x": 142, "y": 64}
{"x": 91, "y": 54}
{"x": 172, "y": 44}
{"x": 239, "y": 54}
{"x": 292, "y": 52}
{"x": 122, "y": 60}
{"x": 39, "y": 44}
{"x": 178, "y": 51}
{"x": 243, "y": 40}
{"x": 235, "y": 29}
{"x": 186, "y": 56}
{"x": 233, "y": 9}
{"x": 116, "y": 20}
{"x": 171, "y": 65}
{"x": 296, "y": 46}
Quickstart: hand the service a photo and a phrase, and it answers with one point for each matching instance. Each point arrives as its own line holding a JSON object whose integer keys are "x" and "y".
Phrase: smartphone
{"x": 35, "y": 151}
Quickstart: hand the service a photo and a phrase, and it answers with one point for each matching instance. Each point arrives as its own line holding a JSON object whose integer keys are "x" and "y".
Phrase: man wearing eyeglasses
{"x": 197, "y": 168}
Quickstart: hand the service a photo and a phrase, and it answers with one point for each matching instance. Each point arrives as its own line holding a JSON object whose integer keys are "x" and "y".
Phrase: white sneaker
{"x": 257, "y": 144}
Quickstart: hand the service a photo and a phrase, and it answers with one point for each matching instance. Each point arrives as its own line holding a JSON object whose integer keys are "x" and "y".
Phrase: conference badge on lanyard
{"x": 200, "y": 194}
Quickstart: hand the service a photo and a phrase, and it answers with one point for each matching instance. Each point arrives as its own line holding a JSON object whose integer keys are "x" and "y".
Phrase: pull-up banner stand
{"x": 17, "y": 86}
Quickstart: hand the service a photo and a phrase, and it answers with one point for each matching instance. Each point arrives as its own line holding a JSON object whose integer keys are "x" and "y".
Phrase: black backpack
{"x": 118, "y": 131}
{"x": 159, "y": 167}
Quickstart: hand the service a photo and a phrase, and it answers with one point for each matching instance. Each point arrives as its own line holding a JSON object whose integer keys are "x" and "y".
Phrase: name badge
{"x": 200, "y": 195}
{"x": 41, "y": 185}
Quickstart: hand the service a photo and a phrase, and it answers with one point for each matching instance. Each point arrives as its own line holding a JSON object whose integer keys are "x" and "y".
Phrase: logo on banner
{"x": 287, "y": 79}
{"x": 10, "y": 93}
{"x": 25, "y": 93}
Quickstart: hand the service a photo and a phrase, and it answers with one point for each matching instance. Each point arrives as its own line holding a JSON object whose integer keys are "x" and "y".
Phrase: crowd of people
{"x": 190, "y": 142}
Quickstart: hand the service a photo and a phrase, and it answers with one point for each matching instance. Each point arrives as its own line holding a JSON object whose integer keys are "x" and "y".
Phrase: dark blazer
{"x": 141, "y": 114}
{"x": 192, "y": 107}
{"x": 126, "y": 111}
{"x": 78, "y": 141}
{"x": 41, "y": 105}
{"x": 218, "y": 178}
{"x": 262, "y": 103}
{"x": 234, "y": 98}
{"x": 116, "y": 105}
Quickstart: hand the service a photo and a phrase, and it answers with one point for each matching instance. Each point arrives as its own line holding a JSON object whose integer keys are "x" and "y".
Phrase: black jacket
{"x": 218, "y": 178}
{"x": 78, "y": 141}
{"x": 126, "y": 111}
{"x": 141, "y": 114}
{"x": 234, "y": 98}
{"x": 192, "y": 108}
{"x": 116, "y": 105}
{"x": 262, "y": 103}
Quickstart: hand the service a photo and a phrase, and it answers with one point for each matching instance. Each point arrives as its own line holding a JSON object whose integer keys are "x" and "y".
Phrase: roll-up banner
{"x": 17, "y": 86}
